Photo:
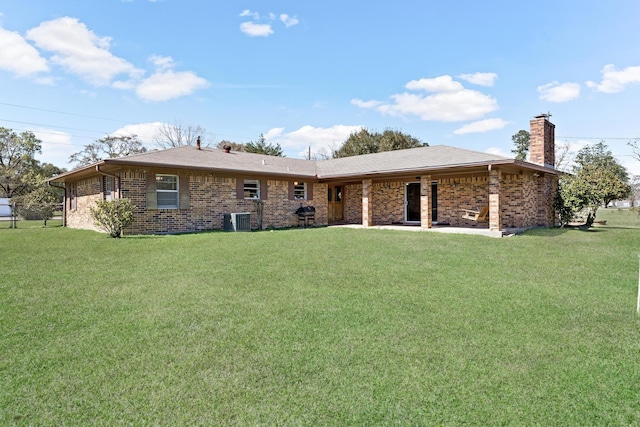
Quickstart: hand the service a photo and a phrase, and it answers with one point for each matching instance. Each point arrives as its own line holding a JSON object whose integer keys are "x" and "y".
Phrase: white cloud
{"x": 321, "y": 140}
{"x": 481, "y": 79}
{"x": 288, "y": 21}
{"x": 144, "y": 131}
{"x": 56, "y": 147}
{"x": 162, "y": 63}
{"x": 80, "y": 51}
{"x": 366, "y": 104}
{"x": 256, "y": 30}
{"x": 614, "y": 81}
{"x": 451, "y": 102}
{"x": 18, "y": 56}
{"x": 438, "y": 84}
{"x": 481, "y": 126}
{"x": 559, "y": 92}
{"x": 253, "y": 15}
{"x": 166, "y": 85}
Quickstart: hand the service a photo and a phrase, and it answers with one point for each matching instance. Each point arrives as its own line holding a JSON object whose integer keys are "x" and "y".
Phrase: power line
{"x": 61, "y": 112}
{"x": 596, "y": 137}
{"x": 211, "y": 134}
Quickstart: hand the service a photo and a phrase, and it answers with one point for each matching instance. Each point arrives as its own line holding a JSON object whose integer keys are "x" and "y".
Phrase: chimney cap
{"x": 544, "y": 115}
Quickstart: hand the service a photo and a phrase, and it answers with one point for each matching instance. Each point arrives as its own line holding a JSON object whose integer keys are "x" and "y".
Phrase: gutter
{"x": 112, "y": 176}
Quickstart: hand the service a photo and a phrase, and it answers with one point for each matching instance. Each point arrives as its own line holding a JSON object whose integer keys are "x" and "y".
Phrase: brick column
{"x": 425, "y": 202}
{"x": 495, "y": 215}
{"x": 367, "y": 203}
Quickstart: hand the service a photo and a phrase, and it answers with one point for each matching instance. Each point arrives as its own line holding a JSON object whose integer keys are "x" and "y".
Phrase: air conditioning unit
{"x": 237, "y": 221}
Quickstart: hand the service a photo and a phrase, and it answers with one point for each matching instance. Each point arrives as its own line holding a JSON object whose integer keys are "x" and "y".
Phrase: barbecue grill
{"x": 306, "y": 215}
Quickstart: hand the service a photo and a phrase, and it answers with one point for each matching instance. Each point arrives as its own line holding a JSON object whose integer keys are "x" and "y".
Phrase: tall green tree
{"x": 17, "y": 158}
{"x": 596, "y": 179}
{"x": 367, "y": 142}
{"x": 261, "y": 146}
{"x": 521, "y": 144}
{"x": 108, "y": 147}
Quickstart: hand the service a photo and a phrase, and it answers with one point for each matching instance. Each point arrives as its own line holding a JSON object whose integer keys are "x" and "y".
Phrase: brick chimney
{"x": 542, "y": 141}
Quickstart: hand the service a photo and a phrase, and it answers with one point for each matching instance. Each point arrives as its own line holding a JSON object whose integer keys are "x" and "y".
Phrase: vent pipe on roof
{"x": 198, "y": 143}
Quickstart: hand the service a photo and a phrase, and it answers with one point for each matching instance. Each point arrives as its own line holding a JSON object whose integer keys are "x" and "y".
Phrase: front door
{"x": 335, "y": 209}
{"x": 412, "y": 202}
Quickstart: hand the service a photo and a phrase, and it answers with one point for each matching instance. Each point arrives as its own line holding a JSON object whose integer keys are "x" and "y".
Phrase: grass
{"x": 321, "y": 327}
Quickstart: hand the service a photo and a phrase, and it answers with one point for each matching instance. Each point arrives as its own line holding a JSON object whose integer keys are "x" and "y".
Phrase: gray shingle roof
{"x": 423, "y": 158}
{"x": 217, "y": 160}
{"x": 389, "y": 162}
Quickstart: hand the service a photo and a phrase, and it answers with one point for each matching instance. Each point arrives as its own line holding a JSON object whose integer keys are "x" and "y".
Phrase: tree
{"x": 635, "y": 146}
{"x": 262, "y": 147}
{"x": 235, "y": 146}
{"x": 596, "y": 179}
{"x": 39, "y": 204}
{"x": 176, "y": 134}
{"x": 521, "y": 144}
{"x": 113, "y": 216}
{"x": 367, "y": 142}
{"x": 17, "y": 153}
{"x": 109, "y": 147}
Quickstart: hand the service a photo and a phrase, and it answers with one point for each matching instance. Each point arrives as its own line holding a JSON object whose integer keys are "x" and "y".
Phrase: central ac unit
{"x": 237, "y": 221}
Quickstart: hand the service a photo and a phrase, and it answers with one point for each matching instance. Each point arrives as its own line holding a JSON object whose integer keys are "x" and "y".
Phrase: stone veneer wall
{"x": 88, "y": 191}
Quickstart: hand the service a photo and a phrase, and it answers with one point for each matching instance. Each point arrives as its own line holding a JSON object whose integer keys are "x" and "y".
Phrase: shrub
{"x": 112, "y": 216}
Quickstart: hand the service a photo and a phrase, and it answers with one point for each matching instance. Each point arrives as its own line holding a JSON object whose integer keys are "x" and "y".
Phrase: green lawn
{"x": 321, "y": 327}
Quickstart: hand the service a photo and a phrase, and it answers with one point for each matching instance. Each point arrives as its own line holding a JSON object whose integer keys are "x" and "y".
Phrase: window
{"x": 167, "y": 191}
{"x": 251, "y": 189}
{"x": 300, "y": 190}
{"x": 73, "y": 190}
{"x": 107, "y": 184}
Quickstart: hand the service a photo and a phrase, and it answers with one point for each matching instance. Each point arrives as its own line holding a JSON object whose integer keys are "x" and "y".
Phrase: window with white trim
{"x": 167, "y": 191}
{"x": 251, "y": 189}
{"x": 300, "y": 190}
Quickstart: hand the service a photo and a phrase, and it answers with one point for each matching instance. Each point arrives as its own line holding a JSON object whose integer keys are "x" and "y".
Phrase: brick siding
{"x": 525, "y": 201}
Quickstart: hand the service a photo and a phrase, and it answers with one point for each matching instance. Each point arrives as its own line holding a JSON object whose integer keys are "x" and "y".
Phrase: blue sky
{"x": 308, "y": 73}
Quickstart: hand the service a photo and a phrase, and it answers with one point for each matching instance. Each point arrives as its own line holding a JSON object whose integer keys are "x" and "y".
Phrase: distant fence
{"x": 12, "y": 213}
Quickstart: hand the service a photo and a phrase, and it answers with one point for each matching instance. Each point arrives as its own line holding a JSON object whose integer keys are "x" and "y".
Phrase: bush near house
{"x": 113, "y": 215}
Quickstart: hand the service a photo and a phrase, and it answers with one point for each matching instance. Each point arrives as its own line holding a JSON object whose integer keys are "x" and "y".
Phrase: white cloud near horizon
{"x": 144, "y": 131}
{"x": 559, "y": 92}
{"x": 498, "y": 152}
{"x": 322, "y": 141}
{"x": 56, "y": 147}
{"x": 481, "y": 126}
{"x": 449, "y": 101}
{"x": 614, "y": 81}
{"x": 18, "y": 56}
{"x": 480, "y": 79}
{"x": 80, "y": 51}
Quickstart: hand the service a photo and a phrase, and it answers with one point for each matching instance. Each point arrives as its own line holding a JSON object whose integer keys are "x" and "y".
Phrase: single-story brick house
{"x": 188, "y": 189}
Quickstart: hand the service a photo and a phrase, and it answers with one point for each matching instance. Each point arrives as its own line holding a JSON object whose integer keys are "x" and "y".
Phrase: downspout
{"x": 64, "y": 204}
{"x": 112, "y": 176}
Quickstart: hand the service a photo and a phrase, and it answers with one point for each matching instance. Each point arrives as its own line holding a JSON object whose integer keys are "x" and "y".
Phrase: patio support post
{"x": 367, "y": 203}
{"x": 495, "y": 214}
{"x": 425, "y": 202}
